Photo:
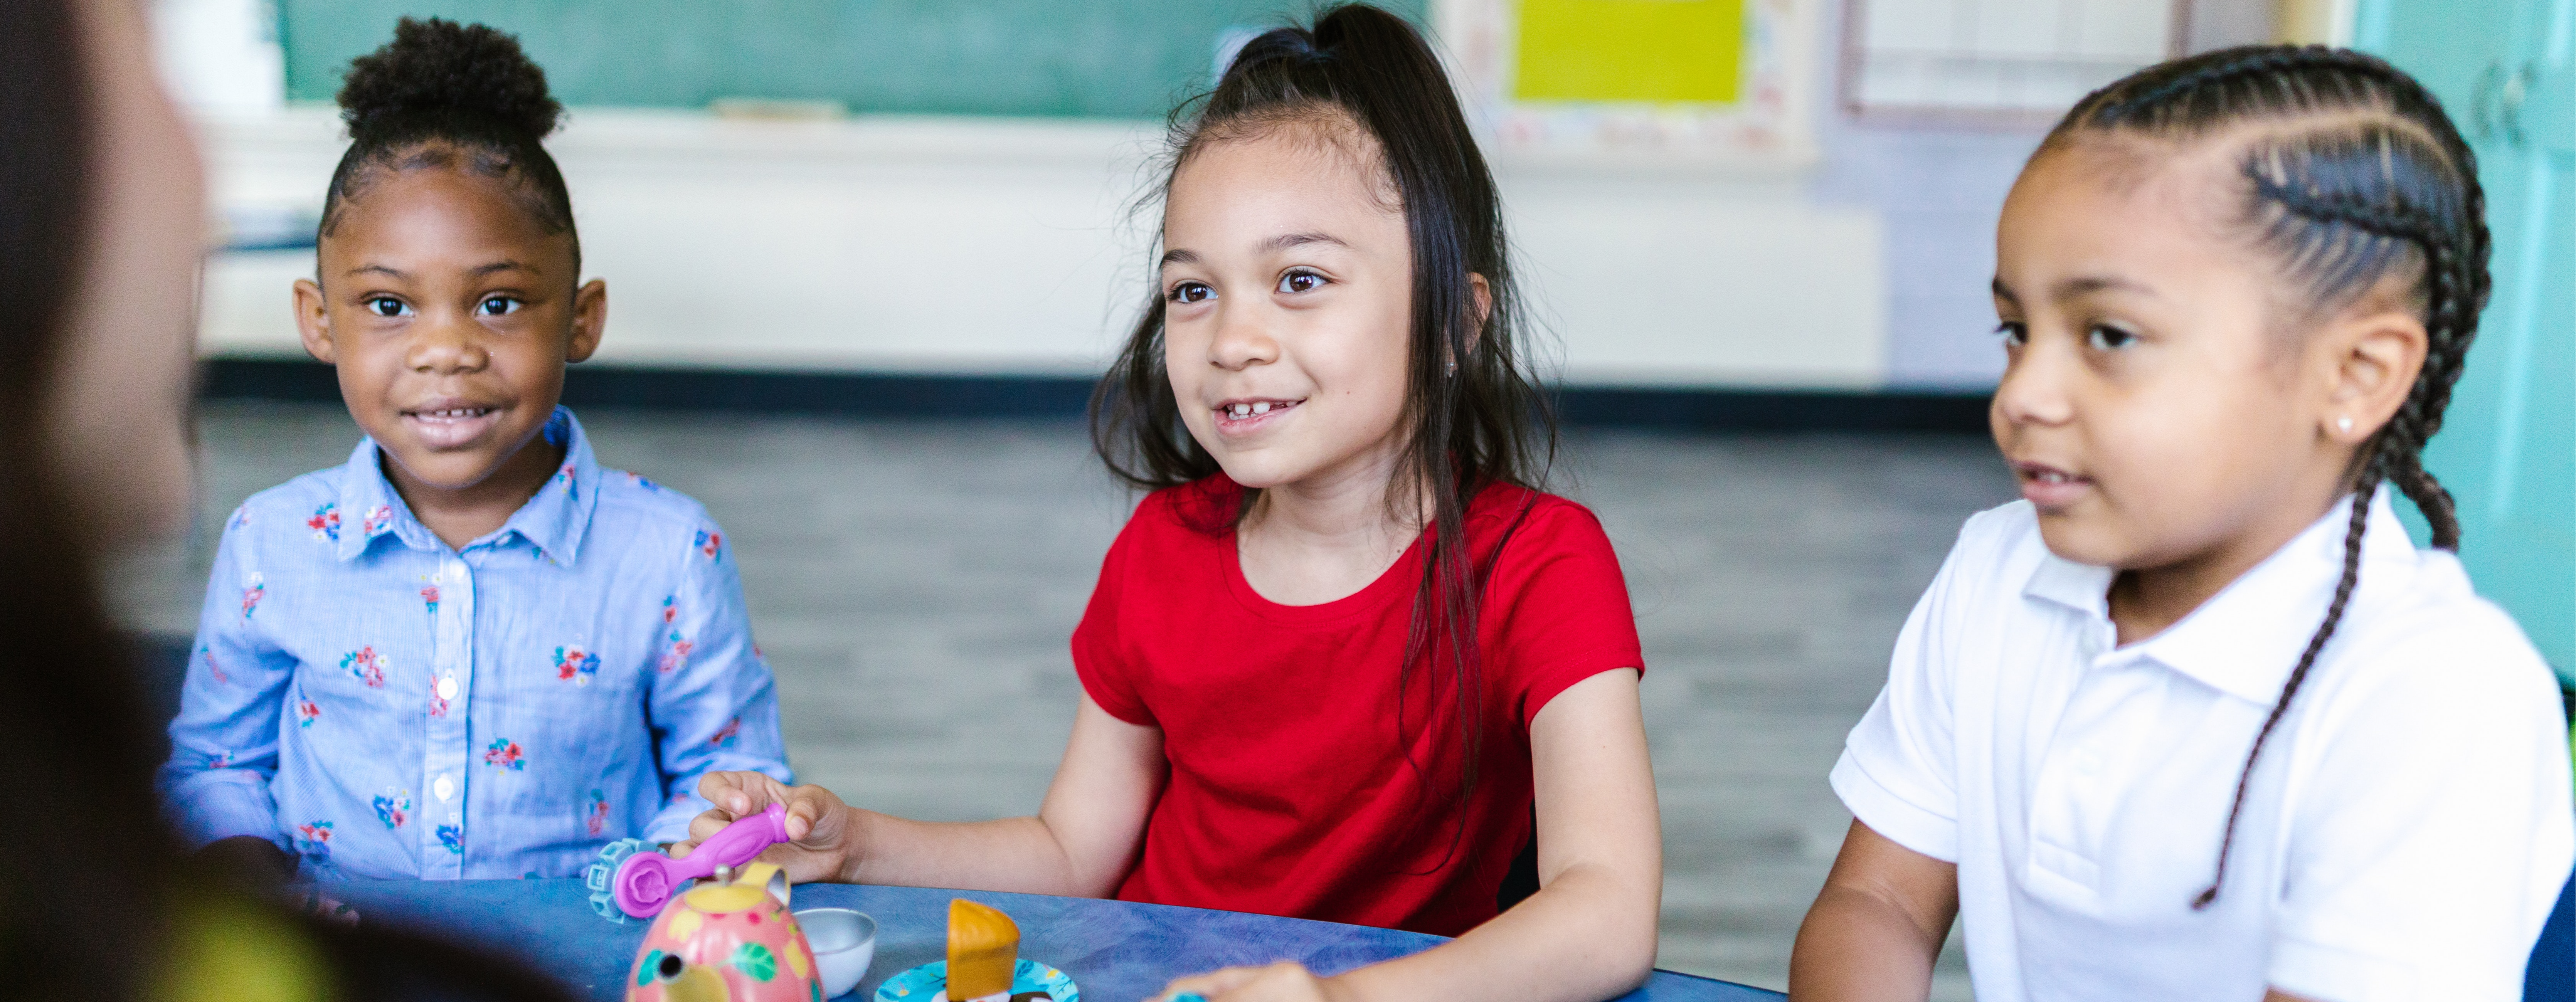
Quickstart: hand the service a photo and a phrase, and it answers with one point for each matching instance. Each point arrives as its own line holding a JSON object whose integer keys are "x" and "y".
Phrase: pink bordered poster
{"x": 1682, "y": 83}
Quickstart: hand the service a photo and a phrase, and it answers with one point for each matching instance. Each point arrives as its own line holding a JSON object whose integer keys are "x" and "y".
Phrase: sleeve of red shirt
{"x": 1100, "y": 657}
{"x": 1558, "y": 607}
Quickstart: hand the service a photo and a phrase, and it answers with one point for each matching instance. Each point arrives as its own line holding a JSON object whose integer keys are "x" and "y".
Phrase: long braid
{"x": 2307, "y": 659}
{"x": 2360, "y": 178}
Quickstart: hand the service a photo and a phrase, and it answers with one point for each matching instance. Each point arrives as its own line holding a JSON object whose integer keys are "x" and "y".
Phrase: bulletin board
{"x": 1684, "y": 83}
{"x": 2006, "y": 62}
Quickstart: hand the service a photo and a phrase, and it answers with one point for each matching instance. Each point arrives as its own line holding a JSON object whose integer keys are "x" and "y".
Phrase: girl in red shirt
{"x": 1345, "y": 662}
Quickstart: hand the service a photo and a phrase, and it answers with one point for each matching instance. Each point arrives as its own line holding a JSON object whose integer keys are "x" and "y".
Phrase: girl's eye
{"x": 1190, "y": 292}
{"x": 2104, "y": 337}
{"x": 498, "y": 306}
{"x": 2014, "y": 334}
{"x": 1300, "y": 281}
{"x": 387, "y": 306}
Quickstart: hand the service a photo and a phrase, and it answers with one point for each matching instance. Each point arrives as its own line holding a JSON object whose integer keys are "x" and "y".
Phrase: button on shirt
{"x": 2405, "y": 835}
{"x": 384, "y": 706}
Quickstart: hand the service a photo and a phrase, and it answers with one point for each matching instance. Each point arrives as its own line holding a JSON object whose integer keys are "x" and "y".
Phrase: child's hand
{"x": 818, "y": 823}
{"x": 1285, "y": 981}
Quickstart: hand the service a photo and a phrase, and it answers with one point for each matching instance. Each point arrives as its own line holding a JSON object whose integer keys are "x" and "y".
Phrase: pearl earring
{"x": 2344, "y": 424}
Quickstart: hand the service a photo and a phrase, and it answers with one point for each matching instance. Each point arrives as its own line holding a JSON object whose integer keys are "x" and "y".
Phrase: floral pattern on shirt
{"x": 393, "y": 807}
{"x": 506, "y": 754}
{"x": 367, "y": 664}
{"x": 313, "y": 838}
{"x": 325, "y": 523}
{"x": 728, "y": 734}
{"x": 381, "y": 607}
{"x": 251, "y": 595}
{"x": 575, "y": 665}
{"x": 596, "y": 822}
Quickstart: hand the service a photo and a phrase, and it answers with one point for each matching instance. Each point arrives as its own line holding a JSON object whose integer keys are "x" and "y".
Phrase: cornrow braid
{"x": 2354, "y": 176}
{"x": 2307, "y": 659}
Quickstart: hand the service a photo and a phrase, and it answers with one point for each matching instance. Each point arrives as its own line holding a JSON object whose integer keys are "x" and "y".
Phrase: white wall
{"x": 1002, "y": 246}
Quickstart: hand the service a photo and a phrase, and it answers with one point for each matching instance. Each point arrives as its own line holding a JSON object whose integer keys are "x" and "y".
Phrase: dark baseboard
{"x": 915, "y": 395}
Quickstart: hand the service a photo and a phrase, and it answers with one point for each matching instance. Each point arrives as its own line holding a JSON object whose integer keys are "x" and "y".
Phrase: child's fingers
{"x": 706, "y": 825}
{"x": 727, "y": 791}
{"x": 807, "y": 806}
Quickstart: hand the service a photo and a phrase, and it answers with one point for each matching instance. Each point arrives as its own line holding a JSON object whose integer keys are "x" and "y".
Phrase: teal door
{"x": 2508, "y": 449}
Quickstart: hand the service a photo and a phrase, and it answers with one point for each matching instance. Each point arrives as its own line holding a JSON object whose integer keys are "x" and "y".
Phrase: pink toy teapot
{"x": 729, "y": 939}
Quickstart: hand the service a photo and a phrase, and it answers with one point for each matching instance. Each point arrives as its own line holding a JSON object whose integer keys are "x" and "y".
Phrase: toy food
{"x": 983, "y": 952}
{"x": 645, "y": 881}
{"x": 727, "y": 941}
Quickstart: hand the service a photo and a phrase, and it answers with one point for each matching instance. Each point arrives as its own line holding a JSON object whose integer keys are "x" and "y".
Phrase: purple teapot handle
{"x": 646, "y": 881}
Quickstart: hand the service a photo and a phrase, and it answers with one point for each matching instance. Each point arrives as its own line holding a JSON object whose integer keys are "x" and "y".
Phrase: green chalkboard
{"x": 1064, "y": 58}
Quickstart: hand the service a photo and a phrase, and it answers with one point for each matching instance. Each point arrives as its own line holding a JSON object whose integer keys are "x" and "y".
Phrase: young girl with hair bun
{"x": 1346, "y": 662}
{"x": 2195, "y": 719}
{"x": 471, "y": 650}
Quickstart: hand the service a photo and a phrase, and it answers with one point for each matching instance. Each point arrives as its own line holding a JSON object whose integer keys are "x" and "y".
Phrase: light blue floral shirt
{"x": 384, "y": 706}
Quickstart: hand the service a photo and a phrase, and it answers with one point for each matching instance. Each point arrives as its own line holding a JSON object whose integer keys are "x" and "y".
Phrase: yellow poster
{"x": 1660, "y": 51}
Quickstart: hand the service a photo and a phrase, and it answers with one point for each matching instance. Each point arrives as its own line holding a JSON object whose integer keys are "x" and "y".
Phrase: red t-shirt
{"x": 1291, "y": 789}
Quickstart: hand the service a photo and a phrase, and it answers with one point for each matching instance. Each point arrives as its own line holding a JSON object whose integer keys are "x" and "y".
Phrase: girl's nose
{"x": 445, "y": 346}
{"x": 2033, "y": 389}
{"x": 1241, "y": 341}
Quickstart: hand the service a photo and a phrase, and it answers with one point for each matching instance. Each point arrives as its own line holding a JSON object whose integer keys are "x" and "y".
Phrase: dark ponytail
{"x": 2352, "y": 176}
{"x": 1482, "y": 423}
{"x": 457, "y": 96}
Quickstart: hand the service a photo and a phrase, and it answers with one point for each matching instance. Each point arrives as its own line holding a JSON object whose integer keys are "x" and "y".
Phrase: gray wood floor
{"x": 914, "y": 584}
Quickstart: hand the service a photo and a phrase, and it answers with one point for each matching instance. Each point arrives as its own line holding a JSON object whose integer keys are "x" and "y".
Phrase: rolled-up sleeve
{"x": 714, "y": 704}
{"x": 223, "y": 744}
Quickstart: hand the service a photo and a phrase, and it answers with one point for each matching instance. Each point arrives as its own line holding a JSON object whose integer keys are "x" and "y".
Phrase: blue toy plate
{"x": 929, "y": 983}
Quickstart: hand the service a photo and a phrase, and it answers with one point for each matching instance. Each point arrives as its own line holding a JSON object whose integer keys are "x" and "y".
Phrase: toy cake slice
{"x": 983, "y": 950}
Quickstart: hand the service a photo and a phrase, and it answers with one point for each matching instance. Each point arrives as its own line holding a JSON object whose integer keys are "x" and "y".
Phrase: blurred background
{"x": 865, "y": 257}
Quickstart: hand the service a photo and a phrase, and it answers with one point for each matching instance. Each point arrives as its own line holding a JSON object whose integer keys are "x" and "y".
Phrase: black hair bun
{"x": 439, "y": 71}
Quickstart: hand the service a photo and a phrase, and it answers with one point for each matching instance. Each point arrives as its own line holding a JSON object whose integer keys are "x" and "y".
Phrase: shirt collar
{"x": 2245, "y": 639}
{"x": 554, "y": 521}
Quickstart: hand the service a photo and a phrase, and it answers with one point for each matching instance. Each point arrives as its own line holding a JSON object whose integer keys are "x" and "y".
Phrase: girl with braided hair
{"x": 2195, "y": 718}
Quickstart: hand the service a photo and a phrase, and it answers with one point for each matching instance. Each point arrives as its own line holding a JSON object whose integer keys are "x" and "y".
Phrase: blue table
{"x": 1117, "y": 951}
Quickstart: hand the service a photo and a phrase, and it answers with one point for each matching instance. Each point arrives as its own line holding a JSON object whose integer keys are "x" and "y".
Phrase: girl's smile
{"x": 1245, "y": 415}
{"x": 2050, "y": 489}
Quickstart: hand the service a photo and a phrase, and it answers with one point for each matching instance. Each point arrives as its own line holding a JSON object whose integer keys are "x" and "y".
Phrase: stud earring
{"x": 2344, "y": 424}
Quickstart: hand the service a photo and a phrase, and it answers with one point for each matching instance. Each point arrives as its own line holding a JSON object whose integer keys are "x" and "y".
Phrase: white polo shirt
{"x": 2405, "y": 836}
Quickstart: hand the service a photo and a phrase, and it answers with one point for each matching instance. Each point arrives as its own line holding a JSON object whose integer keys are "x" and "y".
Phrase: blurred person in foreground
{"x": 101, "y": 210}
